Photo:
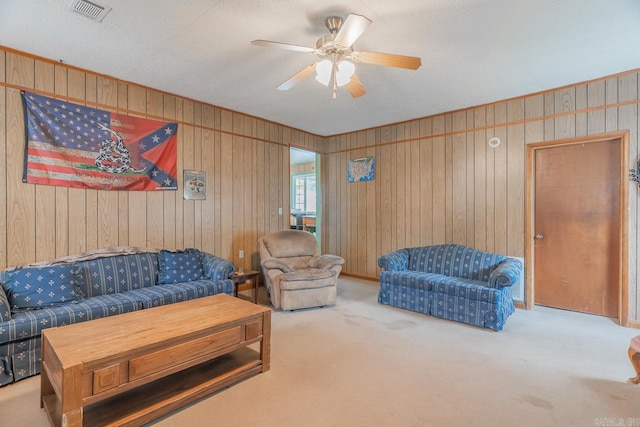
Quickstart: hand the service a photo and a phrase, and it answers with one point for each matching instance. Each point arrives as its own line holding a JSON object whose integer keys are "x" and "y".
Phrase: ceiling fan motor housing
{"x": 327, "y": 47}
{"x": 333, "y": 24}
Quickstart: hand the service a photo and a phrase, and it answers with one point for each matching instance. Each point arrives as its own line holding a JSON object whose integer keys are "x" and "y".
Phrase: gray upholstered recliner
{"x": 295, "y": 274}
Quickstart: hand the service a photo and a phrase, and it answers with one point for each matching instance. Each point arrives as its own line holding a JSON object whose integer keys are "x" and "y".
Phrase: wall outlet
{"x": 279, "y": 211}
{"x": 241, "y": 254}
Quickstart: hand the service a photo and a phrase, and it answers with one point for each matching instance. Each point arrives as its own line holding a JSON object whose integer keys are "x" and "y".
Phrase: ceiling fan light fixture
{"x": 323, "y": 71}
{"x": 344, "y": 71}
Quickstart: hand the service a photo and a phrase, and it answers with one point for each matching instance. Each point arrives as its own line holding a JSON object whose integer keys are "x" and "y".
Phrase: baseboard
{"x": 358, "y": 276}
{"x": 521, "y": 305}
{"x": 634, "y": 324}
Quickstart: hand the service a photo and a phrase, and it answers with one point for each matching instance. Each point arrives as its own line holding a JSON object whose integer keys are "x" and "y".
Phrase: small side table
{"x": 240, "y": 278}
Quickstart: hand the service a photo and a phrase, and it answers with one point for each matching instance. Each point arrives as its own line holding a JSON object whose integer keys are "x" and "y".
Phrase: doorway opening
{"x": 304, "y": 191}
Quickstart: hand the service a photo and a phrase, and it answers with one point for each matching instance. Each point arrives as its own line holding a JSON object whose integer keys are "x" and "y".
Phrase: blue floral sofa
{"x": 96, "y": 284}
{"x": 451, "y": 282}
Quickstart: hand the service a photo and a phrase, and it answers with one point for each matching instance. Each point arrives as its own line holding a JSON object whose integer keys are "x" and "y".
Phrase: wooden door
{"x": 577, "y": 227}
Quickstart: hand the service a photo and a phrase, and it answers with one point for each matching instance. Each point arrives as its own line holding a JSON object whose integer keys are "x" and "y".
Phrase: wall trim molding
{"x": 146, "y": 115}
{"x": 487, "y": 127}
{"x": 128, "y": 83}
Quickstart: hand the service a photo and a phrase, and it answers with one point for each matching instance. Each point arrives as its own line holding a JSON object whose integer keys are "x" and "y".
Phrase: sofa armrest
{"x": 395, "y": 261}
{"x": 506, "y": 274}
{"x": 326, "y": 261}
{"x": 5, "y": 308}
{"x": 216, "y": 268}
{"x": 275, "y": 264}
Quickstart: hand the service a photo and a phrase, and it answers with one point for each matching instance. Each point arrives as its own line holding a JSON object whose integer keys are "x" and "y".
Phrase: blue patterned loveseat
{"x": 451, "y": 282}
{"x": 96, "y": 284}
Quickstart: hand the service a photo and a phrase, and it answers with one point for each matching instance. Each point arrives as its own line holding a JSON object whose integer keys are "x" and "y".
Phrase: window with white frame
{"x": 303, "y": 192}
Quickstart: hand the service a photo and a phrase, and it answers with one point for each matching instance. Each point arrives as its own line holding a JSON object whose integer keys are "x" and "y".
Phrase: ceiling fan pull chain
{"x": 334, "y": 72}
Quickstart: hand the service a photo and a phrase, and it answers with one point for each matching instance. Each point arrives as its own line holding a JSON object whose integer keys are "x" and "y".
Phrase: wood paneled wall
{"x": 246, "y": 160}
{"x": 438, "y": 181}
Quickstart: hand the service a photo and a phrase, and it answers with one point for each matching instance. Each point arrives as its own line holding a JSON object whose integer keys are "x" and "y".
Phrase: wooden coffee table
{"x": 132, "y": 368}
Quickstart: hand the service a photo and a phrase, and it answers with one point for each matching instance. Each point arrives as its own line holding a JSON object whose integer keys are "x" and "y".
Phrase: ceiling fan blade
{"x": 298, "y": 77}
{"x": 286, "y": 46}
{"x": 388, "y": 59}
{"x": 355, "y": 87}
{"x": 351, "y": 30}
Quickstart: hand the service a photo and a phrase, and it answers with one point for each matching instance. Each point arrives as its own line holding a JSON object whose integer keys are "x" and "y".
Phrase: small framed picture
{"x": 195, "y": 187}
{"x": 362, "y": 169}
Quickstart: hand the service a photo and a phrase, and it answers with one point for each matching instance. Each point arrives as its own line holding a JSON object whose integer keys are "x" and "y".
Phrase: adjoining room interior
{"x": 305, "y": 195}
{"x": 435, "y": 123}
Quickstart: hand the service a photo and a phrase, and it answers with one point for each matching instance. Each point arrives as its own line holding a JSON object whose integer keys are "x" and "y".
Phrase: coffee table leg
{"x": 46, "y": 389}
{"x": 256, "y": 285}
{"x": 265, "y": 344}
{"x": 72, "y": 397}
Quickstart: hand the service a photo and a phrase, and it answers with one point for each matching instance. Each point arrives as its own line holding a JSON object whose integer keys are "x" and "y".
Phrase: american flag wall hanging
{"x": 71, "y": 145}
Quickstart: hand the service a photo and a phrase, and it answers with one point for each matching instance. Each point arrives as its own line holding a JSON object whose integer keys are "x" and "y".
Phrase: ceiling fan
{"x": 338, "y": 56}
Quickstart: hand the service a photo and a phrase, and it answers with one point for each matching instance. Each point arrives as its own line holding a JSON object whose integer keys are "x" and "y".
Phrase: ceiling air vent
{"x": 89, "y": 9}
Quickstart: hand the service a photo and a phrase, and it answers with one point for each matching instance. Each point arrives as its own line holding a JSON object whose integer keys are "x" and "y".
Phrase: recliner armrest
{"x": 325, "y": 261}
{"x": 506, "y": 274}
{"x": 275, "y": 264}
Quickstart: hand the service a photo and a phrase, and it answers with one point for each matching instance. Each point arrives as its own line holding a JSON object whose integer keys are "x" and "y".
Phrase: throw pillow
{"x": 179, "y": 266}
{"x": 43, "y": 287}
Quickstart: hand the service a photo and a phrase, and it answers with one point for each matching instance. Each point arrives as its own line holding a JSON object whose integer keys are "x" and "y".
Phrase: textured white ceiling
{"x": 473, "y": 51}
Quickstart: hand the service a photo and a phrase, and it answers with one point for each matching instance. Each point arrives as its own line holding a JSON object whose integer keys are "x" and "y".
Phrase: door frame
{"x": 623, "y": 286}
{"x": 318, "y": 174}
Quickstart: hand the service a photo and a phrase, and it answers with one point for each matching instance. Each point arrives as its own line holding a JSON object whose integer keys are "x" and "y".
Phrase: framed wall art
{"x": 195, "y": 187}
{"x": 362, "y": 169}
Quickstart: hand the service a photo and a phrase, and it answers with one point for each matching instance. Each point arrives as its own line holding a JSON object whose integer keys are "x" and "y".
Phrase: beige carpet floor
{"x": 360, "y": 363}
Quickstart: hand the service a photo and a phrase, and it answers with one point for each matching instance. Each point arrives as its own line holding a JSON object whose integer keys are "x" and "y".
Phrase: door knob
{"x": 539, "y": 237}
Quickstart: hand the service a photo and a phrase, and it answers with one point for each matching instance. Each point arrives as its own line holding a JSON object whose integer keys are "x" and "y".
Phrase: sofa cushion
{"x": 115, "y": 274}
{"x": 177, "y": 292}
{"x": 431, "y": 259}
{"x": 30, "y": 323}
{"x": 465, "y": 288}
{"x": 307, "y": 279}
{"x": 454, "y": 260}
{"x": 38, "y": 287}
{"x": 410, "y": 279}
{"x": 179, "y": 266}
{"x": 478, "y": 312}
